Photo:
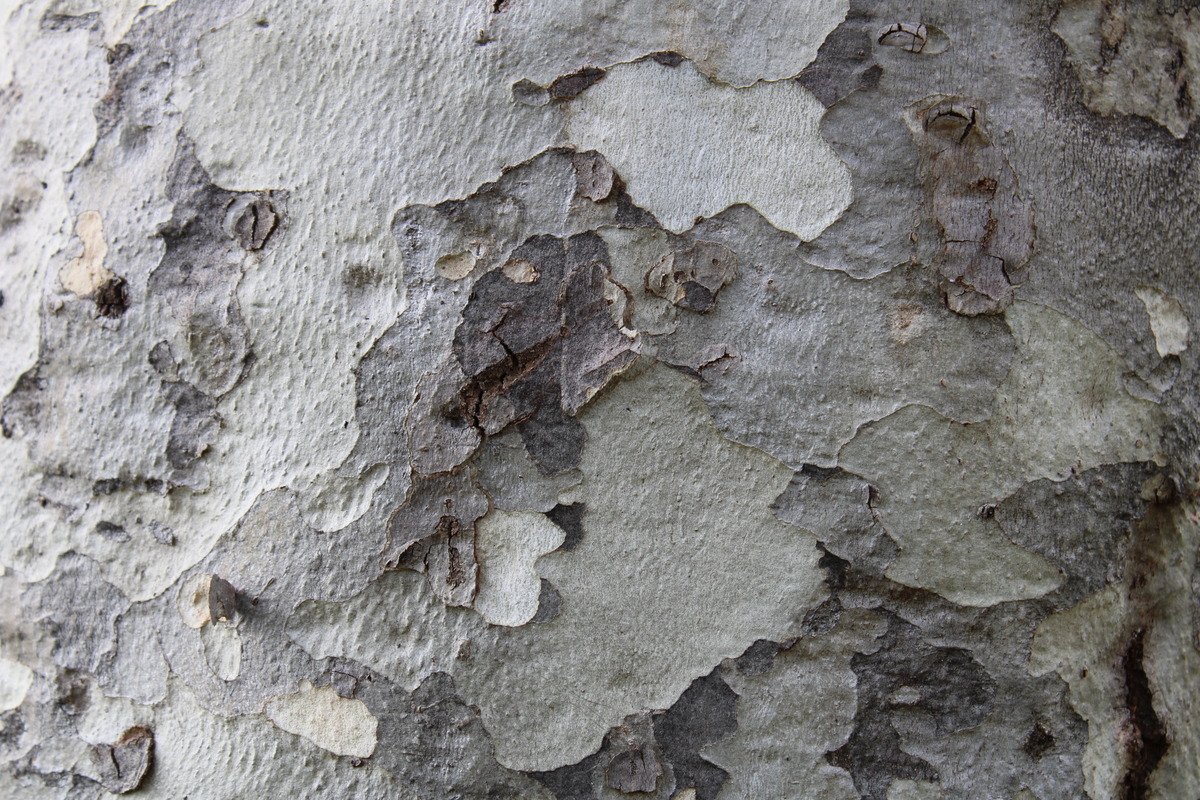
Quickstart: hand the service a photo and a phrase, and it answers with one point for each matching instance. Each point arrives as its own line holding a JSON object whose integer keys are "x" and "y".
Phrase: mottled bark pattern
{"x": 557, "y": 400}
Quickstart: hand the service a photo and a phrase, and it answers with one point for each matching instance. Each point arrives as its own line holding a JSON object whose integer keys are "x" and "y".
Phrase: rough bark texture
{"x": 577, "y": 400}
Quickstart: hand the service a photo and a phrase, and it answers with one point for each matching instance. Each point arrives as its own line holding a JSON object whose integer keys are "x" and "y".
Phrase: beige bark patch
{"x": 507, "y": 544}
{"x": 518, "y": 270}
{"x": 204, "y": 598}
{"x": 456, "y": 266}
{"x": 338, "y": 724}
{"x": 86, "y": 272}
{"x": 1168, "y": 322}
{"x": 688, "y": 148}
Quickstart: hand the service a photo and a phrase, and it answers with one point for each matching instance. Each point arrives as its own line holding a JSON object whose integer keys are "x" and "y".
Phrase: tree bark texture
{"x": 571, "y": 400}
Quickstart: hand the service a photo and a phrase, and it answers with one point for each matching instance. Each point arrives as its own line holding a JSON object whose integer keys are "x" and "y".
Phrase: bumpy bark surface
{"x": 573, "y": 400}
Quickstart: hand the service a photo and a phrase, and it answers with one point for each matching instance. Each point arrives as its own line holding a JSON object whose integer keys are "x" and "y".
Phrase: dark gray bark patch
{"x": 758, "y": 658}
{"x": 657, "y": 754}
{"x": 122, "y": 765}
{"x": 1083, "y": 524}
{"x": 1040, "y": 742}
{"x": 534, "y": 352}
{"x": 566, "y": 87}
{"x": 668, "y": 58}
{"x": 83, "y": 631}
{"x": 705, "y": 713}
{"x": 194, "y": 426}
{"x": 946, "y": 683}
{"x": 844, "y": 63}
{"x": 21, "y": 409}
{"x": 1148, "y": 741}
{"x": 111, "y": 531}
{"x": 22, "y": 198}
{"x": 549, "y": 603}
{"x": 436, "y": 744}
{"x": 572, "y": 782}
{"x": 569, "y": 517}
{"x": 112, "y": 297}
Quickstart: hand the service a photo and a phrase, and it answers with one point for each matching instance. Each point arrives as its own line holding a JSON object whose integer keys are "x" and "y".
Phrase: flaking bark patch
{"x": 196, "y": 282}
{"x": 433, "y": 532}
{"x": 535, "y": 352}
{"x": 690, "y": 277}
{"x": 122, "y": 765}
{"x": 978, "y": 233}
{"x": 1135, "y": 58}
{"x": 658, "y": 754}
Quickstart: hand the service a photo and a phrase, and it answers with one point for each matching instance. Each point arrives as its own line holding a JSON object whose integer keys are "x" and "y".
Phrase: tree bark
{"x": 531, "y": 399}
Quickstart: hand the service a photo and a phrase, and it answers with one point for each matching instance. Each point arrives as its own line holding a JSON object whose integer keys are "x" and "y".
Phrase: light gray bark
{"x": 564, "y": 400}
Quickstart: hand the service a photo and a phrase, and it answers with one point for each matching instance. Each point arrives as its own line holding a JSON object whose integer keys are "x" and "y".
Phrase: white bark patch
{"x": 690, "y": 148}
{"x": 15, "y": 680}
{"x": 507, "y": 545}
{"x": 338, "y": 724}
{"x": 222, "y": 650}
{"x": 1168, "y": 322}
{"x": 116, "y": 16}
{"x": 735, "y": 43}
{"x": 86, "y": 273}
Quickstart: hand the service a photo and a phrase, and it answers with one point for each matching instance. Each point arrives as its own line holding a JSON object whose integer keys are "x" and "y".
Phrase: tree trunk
{"x": 541, "y": 399}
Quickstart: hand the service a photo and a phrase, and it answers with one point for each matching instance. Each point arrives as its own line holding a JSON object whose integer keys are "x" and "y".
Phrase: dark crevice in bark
{"x": 1149, "y": 742}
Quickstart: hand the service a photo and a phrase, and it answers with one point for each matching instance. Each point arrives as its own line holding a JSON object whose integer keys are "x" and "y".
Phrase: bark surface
{"x": 573, "y": 400}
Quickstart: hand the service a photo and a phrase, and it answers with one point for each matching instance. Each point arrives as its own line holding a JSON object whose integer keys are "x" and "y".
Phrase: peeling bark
{"x": 689, "y": 401}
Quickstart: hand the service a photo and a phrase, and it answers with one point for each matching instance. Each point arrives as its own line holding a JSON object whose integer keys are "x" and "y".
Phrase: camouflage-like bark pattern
{"x": 698, "y": 400}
